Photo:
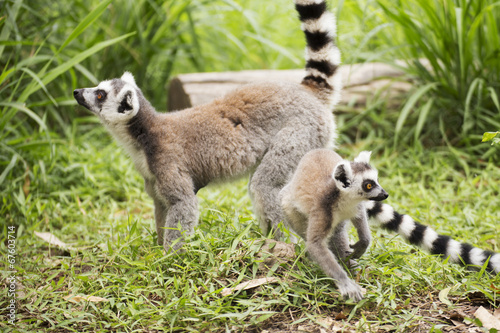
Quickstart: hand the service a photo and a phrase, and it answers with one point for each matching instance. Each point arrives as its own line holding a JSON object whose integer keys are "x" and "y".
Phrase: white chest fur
{"x": 348, "y": 209}
{"x": 138, "y": 156}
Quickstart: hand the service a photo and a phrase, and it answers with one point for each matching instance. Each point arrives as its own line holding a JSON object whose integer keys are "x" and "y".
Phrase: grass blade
{"x": 467, "y": 122}
{"x": 29, "y": 112}
{"x": 410, "y": 104}
{"x": 8, "y": 168}
{"x": 88, "y": 20}
{"x": 50, "y": 76}
{"x": 4, "y": 35}
{"x": 424, "y": 112}
{"x": 494, "y": 97}
{"x": 37, "y": 79}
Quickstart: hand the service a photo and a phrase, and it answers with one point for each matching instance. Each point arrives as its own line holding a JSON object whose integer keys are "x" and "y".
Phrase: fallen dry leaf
{"x": 340, "y": 316}
{"x": 275, "y": 252}
{"x": 84, "y": 298}
{"x": 443, "y": 296}
{"x": 326, "y": 322}
{"x": 248, "y": 285}
{"x": 53, "y": 240}
{"x": 487, "y": 319}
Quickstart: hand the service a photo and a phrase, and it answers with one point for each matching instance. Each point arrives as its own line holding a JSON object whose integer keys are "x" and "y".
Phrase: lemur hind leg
{"x": 264, "y": 186}
{"x": 339, "y": 241}
{"x": 160, "y": 219}
{"x": 274, "y": 171}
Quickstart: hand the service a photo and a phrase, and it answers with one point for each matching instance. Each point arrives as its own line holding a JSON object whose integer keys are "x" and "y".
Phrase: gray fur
{"x": 324, "y": 193}
{"x": 262, "y": 129}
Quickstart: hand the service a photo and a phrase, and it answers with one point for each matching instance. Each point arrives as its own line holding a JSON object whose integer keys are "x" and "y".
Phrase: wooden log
{"x": 360, "y": 81}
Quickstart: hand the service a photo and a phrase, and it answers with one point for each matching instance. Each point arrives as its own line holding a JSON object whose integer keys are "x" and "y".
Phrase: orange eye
{"x": 101, "y": 95}
{"x": 369, "y": 186}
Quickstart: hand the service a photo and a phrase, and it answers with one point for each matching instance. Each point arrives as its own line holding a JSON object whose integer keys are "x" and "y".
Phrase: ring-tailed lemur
{"x": 429, "y": 240}
{"x": 263, "y": 129}
{"x": 324, "y": 193}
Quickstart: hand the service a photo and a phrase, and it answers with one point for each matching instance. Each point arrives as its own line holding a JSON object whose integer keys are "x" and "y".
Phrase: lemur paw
{"x": 360, "y": 248}
{"x": 349, "y": 289}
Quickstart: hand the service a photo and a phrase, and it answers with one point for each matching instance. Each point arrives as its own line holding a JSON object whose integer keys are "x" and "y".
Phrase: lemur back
{"x": 262, "y": 129}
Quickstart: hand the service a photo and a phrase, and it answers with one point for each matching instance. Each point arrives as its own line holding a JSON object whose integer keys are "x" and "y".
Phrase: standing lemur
{"x": 262, "y": 129}
{"x": 326, "y": 192}
{"x": 265, "y": 129}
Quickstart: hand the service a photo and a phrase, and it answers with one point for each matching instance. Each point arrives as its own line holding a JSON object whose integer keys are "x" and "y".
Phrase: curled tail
{"x": 429, "y": 240}
{"x": 322, "y": 54}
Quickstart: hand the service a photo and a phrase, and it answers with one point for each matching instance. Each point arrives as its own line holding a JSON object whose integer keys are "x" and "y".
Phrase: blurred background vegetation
{"x": 47, "y": 49}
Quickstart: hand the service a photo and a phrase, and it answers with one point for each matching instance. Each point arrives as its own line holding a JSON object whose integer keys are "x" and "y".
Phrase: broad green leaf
{"x": 488, "y": 136}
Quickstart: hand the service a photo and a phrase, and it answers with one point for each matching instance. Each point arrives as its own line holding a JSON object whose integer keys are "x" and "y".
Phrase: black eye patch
{"x": 368, "y": 185}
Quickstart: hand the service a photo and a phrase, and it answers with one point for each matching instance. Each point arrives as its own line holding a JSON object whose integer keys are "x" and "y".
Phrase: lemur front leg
{"x": 160, "y": 211}
{"x": 177, "y": 209}
{"x": 360, "y": 222}
{"x": 317, "y": 247}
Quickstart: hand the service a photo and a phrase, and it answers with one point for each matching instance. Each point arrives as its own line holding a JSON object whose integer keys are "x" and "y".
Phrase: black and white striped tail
{"x": 429, "y": 240}
{"x": 322, "y": 53}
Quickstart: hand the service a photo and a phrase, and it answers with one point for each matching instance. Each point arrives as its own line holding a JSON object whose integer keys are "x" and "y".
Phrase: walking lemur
{"x": 326, "y": 192}
{"x": 261, "y": 129}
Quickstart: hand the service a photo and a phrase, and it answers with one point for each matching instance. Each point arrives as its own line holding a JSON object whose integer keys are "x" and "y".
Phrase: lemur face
{"x": 113, "y": 101}
{"x": 358, "y": 179}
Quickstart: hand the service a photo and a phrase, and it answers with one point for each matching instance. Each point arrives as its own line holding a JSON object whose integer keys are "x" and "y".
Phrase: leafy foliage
{"x": 492, "y": 136}
{"x": 451, "y": 48}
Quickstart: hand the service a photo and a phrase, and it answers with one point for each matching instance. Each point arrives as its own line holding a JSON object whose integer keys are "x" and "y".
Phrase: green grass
{"x": 101, "y": 206}
{"x": 61, "y": 173}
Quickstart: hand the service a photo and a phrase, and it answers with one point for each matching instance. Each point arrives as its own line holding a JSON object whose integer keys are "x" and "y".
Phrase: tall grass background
{"x": 452, "y": 50}
{"x": 48, "y": 49}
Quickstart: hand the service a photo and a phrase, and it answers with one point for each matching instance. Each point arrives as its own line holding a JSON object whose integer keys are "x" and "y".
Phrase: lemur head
{"x": 358, "y": 179}
{"x": 114, "y": 101}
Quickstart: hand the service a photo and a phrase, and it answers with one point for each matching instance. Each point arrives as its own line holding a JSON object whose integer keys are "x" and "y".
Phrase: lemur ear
{"x": 342, "y": 174}
{"x": 363, "y": 157}
{"x": 127, "y": 102}
{"x": 129, "y": 78}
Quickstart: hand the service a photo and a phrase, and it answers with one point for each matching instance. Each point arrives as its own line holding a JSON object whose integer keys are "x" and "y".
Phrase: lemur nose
{"x": 76, "y": 92}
